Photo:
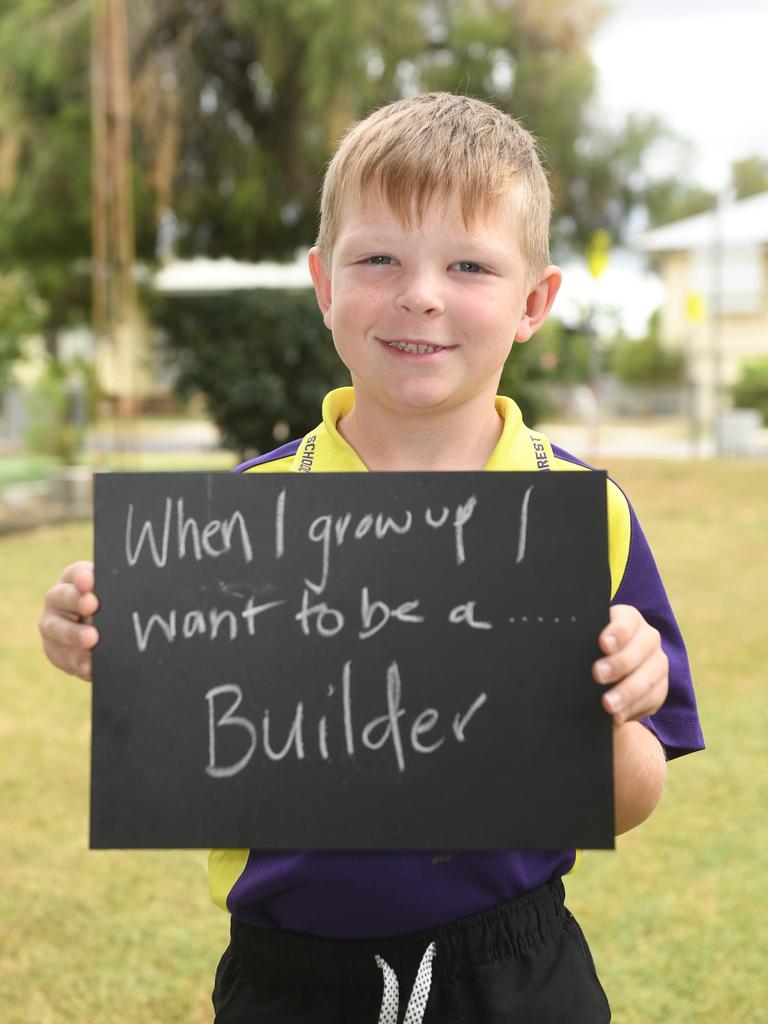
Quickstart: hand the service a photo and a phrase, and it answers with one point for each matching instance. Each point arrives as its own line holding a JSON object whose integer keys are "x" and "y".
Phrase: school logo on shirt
{"x": 308, "y": 454}
{"x": 540, "y": 453}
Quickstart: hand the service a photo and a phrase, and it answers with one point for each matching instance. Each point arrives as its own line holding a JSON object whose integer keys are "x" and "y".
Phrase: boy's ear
{"x": 322, "y": 282}
{"x": 539, "y": 303}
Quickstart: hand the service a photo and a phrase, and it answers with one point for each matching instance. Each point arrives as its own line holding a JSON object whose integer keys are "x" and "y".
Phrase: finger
{"x": 625, "y": 622}
{"x": 641, "y": 645}
{"x": 81, "y": 570}
{"x": 59, "y": 631}
{"x": 73, "y": 596}
{"x": 83, "y": 578}
{"x": 80, "y": 664}
{"x": 84, "y": 581}
{"x": 84, "y": 667}
{"x": 70, "y": 659}
{"x": 63, "y": 599}
{"x": 642, "y": 693}
{"x": 87, "y": 605}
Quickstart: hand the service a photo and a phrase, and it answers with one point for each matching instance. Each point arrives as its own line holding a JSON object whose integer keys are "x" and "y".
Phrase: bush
{"x": 529, "y": 394}
{"x": 556, "y": 354}
{"x": 262, "y": 358}
{"x": 751, "y": 389}
{"x": 22, "y": 312}
{"x": 60, "y": 407}
{"x": 646, "y": 362}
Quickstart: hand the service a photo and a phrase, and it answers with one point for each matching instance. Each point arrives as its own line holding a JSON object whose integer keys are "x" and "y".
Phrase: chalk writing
{"x": 375, "y": 615}
{"x": 466, "y": 613}
{"x": 327, "y": 530}
{"x": 463, "y": 515}
{"x": 280, "y": 525}
{"x": 229, "y": 718}
{"x": 203, "y": 539}
{"x": 215, "y": 537}
{"x": 345, "y": 662}
{"x": 315, "y": 619}
{"x": 523, "y": 528}
{"x": 197, "y": 622}
{"x": 327, "y": 621}
{"x": 382, "y": 731}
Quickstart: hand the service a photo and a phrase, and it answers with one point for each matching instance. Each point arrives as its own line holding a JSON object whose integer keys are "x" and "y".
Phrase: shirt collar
{"x": 324, "y": 450}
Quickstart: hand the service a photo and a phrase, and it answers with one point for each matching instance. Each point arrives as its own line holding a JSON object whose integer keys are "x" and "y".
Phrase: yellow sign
{"x": 695, "y": 308}
{"x": 598, "y": 252}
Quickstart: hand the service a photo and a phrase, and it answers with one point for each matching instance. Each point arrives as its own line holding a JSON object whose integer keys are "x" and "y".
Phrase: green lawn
{"x": 23, "y": 469}
{"x": 676, "y": 918}
{"x": 19, "y": 469}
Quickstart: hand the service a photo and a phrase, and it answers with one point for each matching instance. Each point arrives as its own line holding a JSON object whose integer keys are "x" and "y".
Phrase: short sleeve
{"x": 676, "y": 723}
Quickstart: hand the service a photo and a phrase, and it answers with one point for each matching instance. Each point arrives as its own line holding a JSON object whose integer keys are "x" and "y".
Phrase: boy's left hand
{"x": 635, "y": 662}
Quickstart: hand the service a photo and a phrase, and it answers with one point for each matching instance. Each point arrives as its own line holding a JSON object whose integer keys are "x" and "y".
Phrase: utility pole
{"x": 695, "y": 314}
{"x": 115, "y": 319}
{"x": 598, "y": 257}
{"x": 718, "y": 311}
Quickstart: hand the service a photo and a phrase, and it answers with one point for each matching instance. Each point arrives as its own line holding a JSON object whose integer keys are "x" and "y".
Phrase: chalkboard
{"x": 350, "y": 661}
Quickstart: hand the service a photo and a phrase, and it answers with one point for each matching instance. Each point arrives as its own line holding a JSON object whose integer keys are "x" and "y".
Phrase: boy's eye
{"x": 379, "y": 261}
{"x": 469, "y": 268}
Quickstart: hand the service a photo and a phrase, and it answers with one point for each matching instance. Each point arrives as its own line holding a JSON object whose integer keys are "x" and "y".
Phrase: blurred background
{"x": 159, "y": 173}
{"x": 160, "y": 164}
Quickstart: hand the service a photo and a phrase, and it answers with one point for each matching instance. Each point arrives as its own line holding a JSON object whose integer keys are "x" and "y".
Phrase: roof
{"x": 202, "y": 275}
{"x": 738, "y": 223}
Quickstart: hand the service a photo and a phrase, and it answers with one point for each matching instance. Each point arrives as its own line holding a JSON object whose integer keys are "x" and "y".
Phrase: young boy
{"x": 431, "y": 260}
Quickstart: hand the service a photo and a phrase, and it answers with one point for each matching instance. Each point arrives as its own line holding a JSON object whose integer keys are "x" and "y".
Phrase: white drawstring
{"x": 417, "y": 1004}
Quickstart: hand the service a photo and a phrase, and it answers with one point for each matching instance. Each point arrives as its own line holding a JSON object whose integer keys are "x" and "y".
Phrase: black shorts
{"x": 525, "y": 962}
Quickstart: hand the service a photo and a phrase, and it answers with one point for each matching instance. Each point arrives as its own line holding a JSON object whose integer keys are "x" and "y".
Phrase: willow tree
{"x": 238, "y": 104}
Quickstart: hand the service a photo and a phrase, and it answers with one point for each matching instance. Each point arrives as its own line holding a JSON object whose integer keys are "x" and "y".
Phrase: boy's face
{"x": 424, "y": 316}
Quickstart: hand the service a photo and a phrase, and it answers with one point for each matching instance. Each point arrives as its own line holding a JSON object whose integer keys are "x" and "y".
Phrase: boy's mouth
{"x": 416, "y": 347}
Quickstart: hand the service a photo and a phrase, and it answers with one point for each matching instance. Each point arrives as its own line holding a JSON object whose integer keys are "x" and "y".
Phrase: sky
{"x": 700, "y": 64}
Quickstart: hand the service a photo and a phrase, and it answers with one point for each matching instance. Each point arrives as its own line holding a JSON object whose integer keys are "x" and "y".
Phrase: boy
{"x": 431, "y": 259}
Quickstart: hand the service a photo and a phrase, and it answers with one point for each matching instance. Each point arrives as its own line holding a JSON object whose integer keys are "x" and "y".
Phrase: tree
{"x": 22, "y": 312}
{"x": 238, "y": 105}
{"x": 44, "y": 152}
{"x": 749, "y": 176}
{"x": 671, "y": 199}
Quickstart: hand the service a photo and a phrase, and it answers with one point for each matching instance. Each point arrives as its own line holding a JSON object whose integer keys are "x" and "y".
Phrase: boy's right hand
{"x": 65, "y": 626}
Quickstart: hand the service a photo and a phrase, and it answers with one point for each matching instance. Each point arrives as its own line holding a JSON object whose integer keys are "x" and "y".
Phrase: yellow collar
{"x": 324, "y": 450}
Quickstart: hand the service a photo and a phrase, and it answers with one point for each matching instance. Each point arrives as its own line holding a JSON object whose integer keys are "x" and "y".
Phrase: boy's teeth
{"x": 408, "y": 346}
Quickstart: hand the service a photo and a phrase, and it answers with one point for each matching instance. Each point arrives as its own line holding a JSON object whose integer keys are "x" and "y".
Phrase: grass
{"x": 676, "y": 918}
{"x": 160, "y": 462}
{"x": 21, "y": 469}
{"x": 28, "y": 469}
{"x": 146, "y": 436}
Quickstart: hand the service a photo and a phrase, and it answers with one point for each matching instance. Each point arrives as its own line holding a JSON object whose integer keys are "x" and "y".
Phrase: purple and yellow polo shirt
{"x": 344, "y": 894}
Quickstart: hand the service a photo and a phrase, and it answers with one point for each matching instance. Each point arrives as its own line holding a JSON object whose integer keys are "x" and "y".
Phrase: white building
{"x": 714, "y": 267}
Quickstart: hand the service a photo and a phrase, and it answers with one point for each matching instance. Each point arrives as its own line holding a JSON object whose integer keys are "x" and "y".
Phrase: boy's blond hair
{"x": 434, "y": 146}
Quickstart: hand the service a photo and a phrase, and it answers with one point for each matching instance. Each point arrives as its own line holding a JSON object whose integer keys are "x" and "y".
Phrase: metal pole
{"x": 718, "y": 314}
{"x": 691, "y": 395}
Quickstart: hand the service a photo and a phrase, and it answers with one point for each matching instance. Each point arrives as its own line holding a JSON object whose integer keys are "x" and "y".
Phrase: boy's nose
{"x": 419, "y": 296}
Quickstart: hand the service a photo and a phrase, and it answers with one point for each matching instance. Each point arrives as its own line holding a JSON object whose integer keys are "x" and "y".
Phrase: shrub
{"x": 646, "y": 362}
{"x": 22, "y": 312}
{"x": 751, "y": 389}
{"x": 60, "y": 406}
{"x": 262, "y": 358}
{"x": 555, "y": 354}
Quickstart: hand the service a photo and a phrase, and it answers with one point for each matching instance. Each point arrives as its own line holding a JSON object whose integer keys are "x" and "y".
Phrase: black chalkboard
{"x": 356, "y": 661}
